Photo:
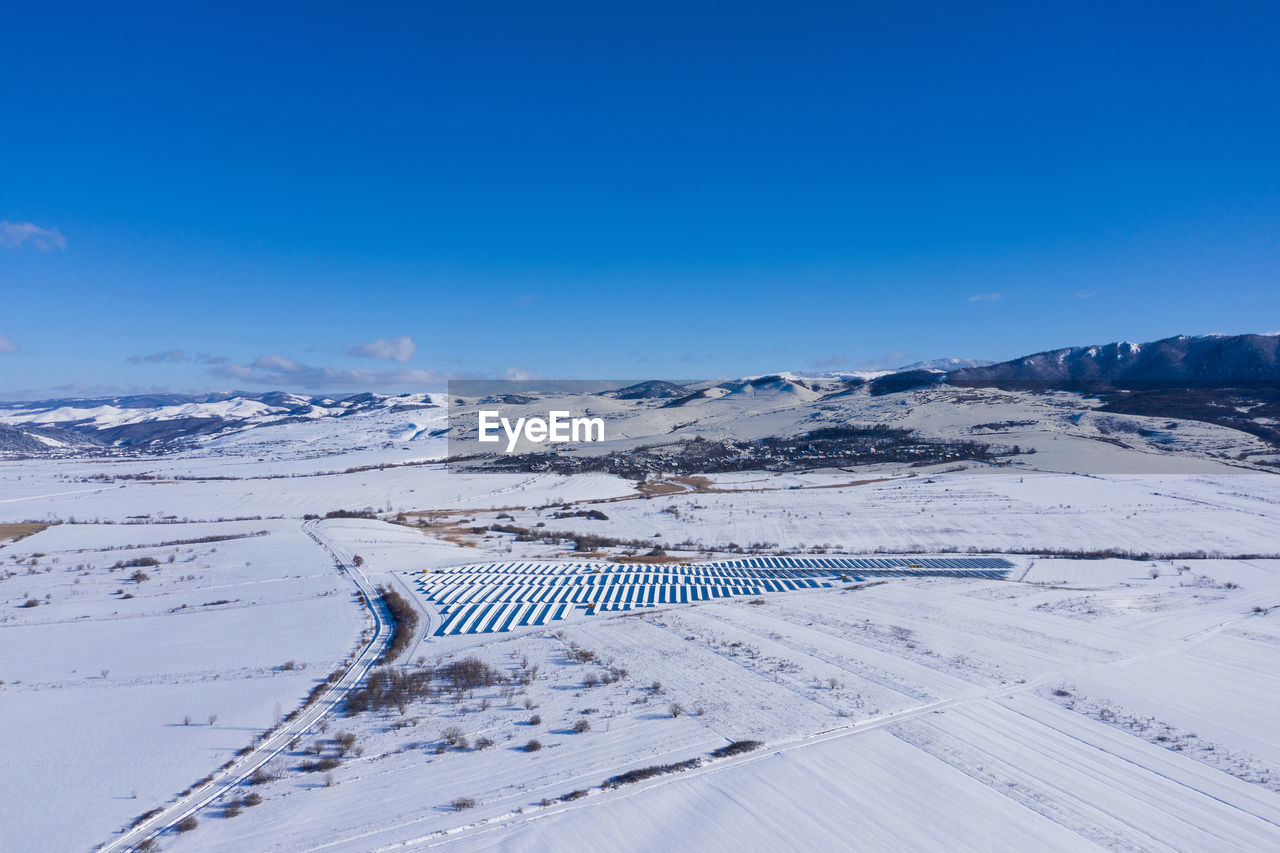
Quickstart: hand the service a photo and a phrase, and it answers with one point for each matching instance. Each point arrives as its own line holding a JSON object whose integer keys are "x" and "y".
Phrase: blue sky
{"x": 338, "y": 196}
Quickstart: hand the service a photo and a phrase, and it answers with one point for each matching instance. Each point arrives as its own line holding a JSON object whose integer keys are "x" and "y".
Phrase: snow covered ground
{"x": 119, "y": 693}
{"x": 1081, "y": 704}
{"x": 914, "y": 714}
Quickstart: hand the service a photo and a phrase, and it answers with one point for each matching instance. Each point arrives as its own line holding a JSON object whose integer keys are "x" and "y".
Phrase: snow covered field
{"x": 1080, "y": 704}
{"x": 118, "y": 693}
{"x": 907, "y": 715}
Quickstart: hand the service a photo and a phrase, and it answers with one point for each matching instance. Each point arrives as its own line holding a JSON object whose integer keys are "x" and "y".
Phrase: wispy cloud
{"x": 519, "y": 373}
{"x": 80, "y": 390}
{"x": 985, "y": 297}
{"x": 399, "y": 349}
{"x": 7, "y": 344}
{"x": 16, "y": 235}
{"x": 281, "y": 372}
{"x": 177, "y": 356}
{"x": 840, "y": 361}
{"x": 886, "y": 361}
{"x": 1085, "y": 294}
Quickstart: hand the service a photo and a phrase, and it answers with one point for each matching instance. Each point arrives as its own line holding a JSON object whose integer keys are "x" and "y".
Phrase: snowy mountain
{"x": 945, "y": 364}
{"x": 1229, "y": 381}
{"x": 1182, "y": 361}
{"x": 159, "y": 421}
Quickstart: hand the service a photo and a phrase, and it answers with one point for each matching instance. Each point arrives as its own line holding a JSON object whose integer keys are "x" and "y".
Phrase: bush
{"x": 675, "y": 710}
{"x": 469, "y": 674}
{"x": 578, "y": 654}
{"x": 136, "y": 562}
{"x": 404, "y": 621}
{"x": 533, "y": 746}
{"x": 484, "y": 742}
{"x": 463, "y": 803}
{"x": 31, "y": 602}
{"x": 736, "y": 748}
{"x": 252, "y": 798}
{"x": 649, "y": 772}
{"x": 535, "y": 720}
{"x": 391, "y": 687}
{"x": 187, "y": 824}
{"x": 232, "y": 808}
{"x": 582, "y": 726}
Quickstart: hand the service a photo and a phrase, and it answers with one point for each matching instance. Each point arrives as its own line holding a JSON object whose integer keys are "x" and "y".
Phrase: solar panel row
{"x": 496, "y": 597}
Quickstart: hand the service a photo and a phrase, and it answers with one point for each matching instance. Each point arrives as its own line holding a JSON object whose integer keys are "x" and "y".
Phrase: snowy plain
{"x": 1113, "y": 703}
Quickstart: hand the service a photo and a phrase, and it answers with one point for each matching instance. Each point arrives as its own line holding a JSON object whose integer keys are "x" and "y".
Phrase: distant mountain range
{"x": 159, "y": 420}
{"x": 944, "y": 364}
{"x": 1229, "y": 380}
{"x": 1237, "y": 361}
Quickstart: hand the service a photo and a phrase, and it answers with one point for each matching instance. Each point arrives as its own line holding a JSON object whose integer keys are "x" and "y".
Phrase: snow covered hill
{"x": 1216, "y": 361}
{"x": 1230, "y": 382}
{"x": 154, "y": 422}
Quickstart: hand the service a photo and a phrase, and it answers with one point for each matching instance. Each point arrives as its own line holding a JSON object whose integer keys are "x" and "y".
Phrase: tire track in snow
{"x": 277, "y": 742}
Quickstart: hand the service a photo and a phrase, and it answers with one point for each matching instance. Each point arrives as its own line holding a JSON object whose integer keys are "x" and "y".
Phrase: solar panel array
{"x": 494, "y": 597}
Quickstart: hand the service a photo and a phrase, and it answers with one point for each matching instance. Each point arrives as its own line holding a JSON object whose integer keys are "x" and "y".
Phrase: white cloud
{"x": 280, "y": 372}
{"x": 399, "y": 349}
{"x": 277, "y": 362}
{"x": 985, "y": 297}
{"x": 15, "y": 235}
{"x": 177, "y": 356}
{"x": 7, "y": 344}
{"x": 285, "y": 373}
{"x": 519, "y": 373}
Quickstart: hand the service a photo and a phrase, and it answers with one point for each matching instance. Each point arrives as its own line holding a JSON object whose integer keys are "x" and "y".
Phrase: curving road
{"x": 278, "y": 741}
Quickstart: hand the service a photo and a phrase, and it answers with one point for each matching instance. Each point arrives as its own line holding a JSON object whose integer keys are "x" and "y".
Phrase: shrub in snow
{"x": 736, "y": 748}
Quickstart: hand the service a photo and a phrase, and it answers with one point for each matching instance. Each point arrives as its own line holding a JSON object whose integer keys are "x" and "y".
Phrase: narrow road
{"x": 278, "y": 741}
